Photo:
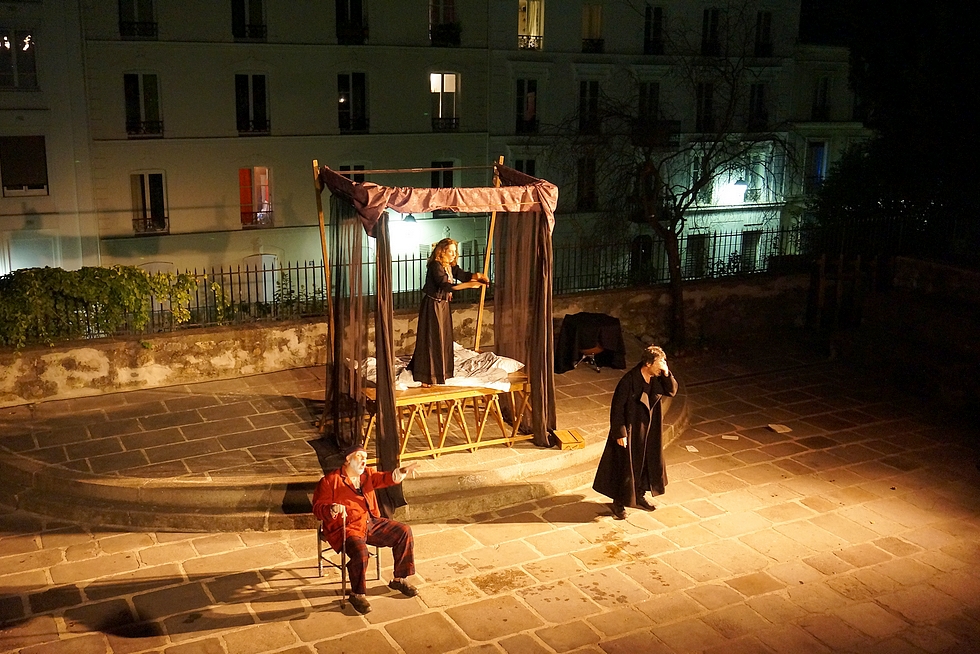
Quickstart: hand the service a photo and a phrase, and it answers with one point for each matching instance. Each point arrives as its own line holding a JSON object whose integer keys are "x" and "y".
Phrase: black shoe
{"x": 643, "y": 504}
{"x": 619, "y": 511}
{"x": 360, "y": 604}
{"x": 403, "y": 587}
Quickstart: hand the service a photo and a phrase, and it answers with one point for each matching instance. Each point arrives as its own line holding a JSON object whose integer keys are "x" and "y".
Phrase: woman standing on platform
{"x": 433, "y": 360}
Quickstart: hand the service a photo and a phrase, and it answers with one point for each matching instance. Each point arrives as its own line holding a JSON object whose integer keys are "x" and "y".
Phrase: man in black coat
{"x": 632, "y": 462}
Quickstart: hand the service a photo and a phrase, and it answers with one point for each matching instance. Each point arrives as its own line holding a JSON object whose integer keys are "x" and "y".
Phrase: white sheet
{"x": 472, "y": 369}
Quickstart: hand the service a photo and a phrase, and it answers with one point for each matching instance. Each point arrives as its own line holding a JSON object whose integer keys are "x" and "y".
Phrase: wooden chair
{"x": 323, "y": 550}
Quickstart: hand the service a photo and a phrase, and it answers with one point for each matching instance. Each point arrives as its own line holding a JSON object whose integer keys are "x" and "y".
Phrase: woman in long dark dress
{"x": 433, "y": 360}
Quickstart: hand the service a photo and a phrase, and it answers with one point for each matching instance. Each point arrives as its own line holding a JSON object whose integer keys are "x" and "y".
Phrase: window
{"x": 352, "y": 102}
{"x": 136, "y": 19}
{"x": 443, "y": 87}
{"x": 142, "y": 105}
{"x": 592, "y": 29}
{"x": 763, "y": 34}
{"x": 586, "y": 198}
{"x": 444, "y": 29}
{"x": 649, "y": 102}
{"x": 255, "y": 197}
{"x": 705, "y": 118}
{"x": 442, "y": 178}
{"x": 247, "y": 20}
{"x": 149, "y": 203}
{"x": 346, "y": 171}
{"x": 710, "y": 44}
{"x": 18, "y": 49}
{"x": 750, "y": 251}
{"x": 821, "y": 100}
{"x": 23, "y": 165}
{"x": 653, "y": 30}
{"x": 816, "y": 165}
{"x": 696, "y": 256}
{"x": 251, "y": 104}
{"x": 758, "y": 114}
{"x": 527, "y": 109}
{"x": 351, "y": 25}
{"x": 530, "y": 24}
{"x": 525, "y": 166}
{"x": 588, "y": 107}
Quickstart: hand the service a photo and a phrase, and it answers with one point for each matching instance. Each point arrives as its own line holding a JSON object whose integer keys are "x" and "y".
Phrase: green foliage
{"x": 44, "y": 305}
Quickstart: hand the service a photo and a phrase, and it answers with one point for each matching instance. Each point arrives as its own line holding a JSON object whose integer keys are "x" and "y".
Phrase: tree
{"x": 637, "y": 149}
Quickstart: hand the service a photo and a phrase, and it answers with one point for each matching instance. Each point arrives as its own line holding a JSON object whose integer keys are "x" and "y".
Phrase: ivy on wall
{"x": 44, "y": 305}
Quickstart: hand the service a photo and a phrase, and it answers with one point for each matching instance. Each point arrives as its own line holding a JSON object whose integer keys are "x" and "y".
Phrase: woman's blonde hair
{"x": 440, "y": 250}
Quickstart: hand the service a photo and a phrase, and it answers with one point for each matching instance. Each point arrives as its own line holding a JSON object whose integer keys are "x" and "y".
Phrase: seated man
{"x": 348, "y": 494}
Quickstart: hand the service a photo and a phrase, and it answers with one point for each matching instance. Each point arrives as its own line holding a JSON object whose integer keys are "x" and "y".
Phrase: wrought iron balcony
{"x": 356, "y": 125}
{"x": 138, "y": 29}
{"x": 150, "y": 225}
{"x": 145, "y": 129}
{"x": 249, "y": 32}
{"x": 351, "y": 33}
{"x": 254, "y": 127}
{"x": 445, "y": 124}
{"x": 257, "y": 219}
{"x": 445, "y": 35}
{"x": 528, "y": 42}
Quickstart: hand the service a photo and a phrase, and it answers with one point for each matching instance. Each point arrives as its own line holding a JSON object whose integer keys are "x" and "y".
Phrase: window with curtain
{"x": 352, "y": 102}
{"x": 18, "y": 50}
{"x": 149, "y": 203}
{"x": 255, "y": 196}
{"x": 248, "y": 20}
{"x": 653, "y": 30}
{"x": 23, "y": 165}
{"x": 588, "y": 107}
{"x": 352, "y": 26}
{"x": 530, "y": 24}
{"x": 527, "y": 109}
{"x": 592, "y": 41}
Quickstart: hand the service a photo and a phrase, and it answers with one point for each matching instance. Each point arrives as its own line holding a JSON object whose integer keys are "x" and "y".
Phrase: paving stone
{"x": 493, "y": 618}
{"x": 558, "y": 602}
{"x": 609, "y": 587}
{"x": 733, "y": 556}
{"x": 523, "y": 644}
{"x": 430, "y": 632}
{"x": 450, "y": 567}
{"x": 328, "y": 621}
{"x": 555, "y": 567}
{"x": 688, "y": 635}
{"x": 502, "y": 581}
{"x": 775, "y": 608}
{"x": 871, "y": 619}
{"x": 512, "y": 528}
{"x": 191, "y": 625}
{"x": 656, "y": 577}
{"x": 694, "y": 565}
{"x": 640, "y": 641}
{"x": 755, "y": 584}
{"x": 443, "y": 543}
{"x": 689, "y": 535}
{"x": 620, "y": 621}
{"x": 604, "y": 555}
{"x": 261, "y": 638}
{"x": 735, "y": 621}
{"x": 371, "y": 640}
{"x": 510, "y": 553}
{"x": 920, "y": 603}
{"x": 815, "y": 597}
{"x": 735, "y": 524}
{"x": 863, "y": 555}
{"x": 906, "y": 571}
{"x": 835, "y": 633}
{"x": 450, "y": 593}
{"x": 568, "y": 636}
{"x": 790, "y": 638}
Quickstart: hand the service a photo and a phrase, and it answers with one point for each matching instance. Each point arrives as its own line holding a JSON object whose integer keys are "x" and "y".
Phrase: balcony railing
{"x": 250, "y": 32}
{"x": 593, "y": 46}
{"x": 351, "y": 33}
{"x": 445, "y": 35}
{"x": 145, "y": 129}
{"x": 138, "y": 29}
{"x": 148, "y": 225}
{"x": 528, "y": 42}
{"x": 445, "y": 124}
{"x": 254, "y": 127}
{"x": 257, "y": 219}
{"x": 354, "y": 125}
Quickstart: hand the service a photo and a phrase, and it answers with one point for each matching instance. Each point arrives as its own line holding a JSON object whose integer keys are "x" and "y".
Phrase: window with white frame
{"x": 705, "y": 107}
{"x": 142, "y": 96}
{"x": 444, "y": 29}
{"x": 18, "y": 49}
{"x": 763, "y": 34}
{"x": 710, "y": 34}
{"x": 350, "y": 172}
{"x": 821, "y": 99}
{"x": 136, "y": 19}
{"x": 442, "y": 176}
{"x": 352, "y": 102}
{"x": 525, "y": 166}
{"x": 255, "y": 196}
{"x": 23, "y": 165}
{"x": 251, "y": 104}
{"x": 443, "y": 88}
{"x": 149, "y": 193}
{"x": 352, "y": 26}
{"x": 530, "y": 24}
{"x": 758, "y": 112}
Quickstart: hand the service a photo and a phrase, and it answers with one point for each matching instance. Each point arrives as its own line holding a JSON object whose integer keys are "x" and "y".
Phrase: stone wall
{"x": 717, "y": 311}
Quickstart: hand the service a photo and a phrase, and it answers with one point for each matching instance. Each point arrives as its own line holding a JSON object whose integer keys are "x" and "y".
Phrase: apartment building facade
{"x": 183, "y": 132}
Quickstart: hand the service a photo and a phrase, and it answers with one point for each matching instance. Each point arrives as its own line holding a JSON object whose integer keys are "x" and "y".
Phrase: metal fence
{"x": 297, "y": 290}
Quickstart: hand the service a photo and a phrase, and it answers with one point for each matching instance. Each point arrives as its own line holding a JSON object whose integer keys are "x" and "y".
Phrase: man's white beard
{"x": 355, "y": 469}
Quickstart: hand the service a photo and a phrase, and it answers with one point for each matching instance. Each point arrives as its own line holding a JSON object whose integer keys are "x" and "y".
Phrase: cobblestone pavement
{"x": 856, "y": 531}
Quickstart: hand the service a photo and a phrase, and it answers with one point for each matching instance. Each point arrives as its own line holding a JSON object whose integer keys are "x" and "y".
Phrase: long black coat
{"x": 433, "y": 361}
{"x": 625, "y": 473}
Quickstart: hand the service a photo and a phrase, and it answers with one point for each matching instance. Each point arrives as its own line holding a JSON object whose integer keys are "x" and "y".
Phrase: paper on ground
{"x": 691, "y": 448}
{"x": 729, "y": 437}
{"x": 779, "y": 429}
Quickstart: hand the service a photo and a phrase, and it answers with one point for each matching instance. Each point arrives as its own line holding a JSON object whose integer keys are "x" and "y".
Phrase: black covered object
{"x": 585, "y": 331}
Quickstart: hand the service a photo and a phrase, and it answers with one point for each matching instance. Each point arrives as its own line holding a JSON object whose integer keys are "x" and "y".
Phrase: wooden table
{"x": 448, "y": 403}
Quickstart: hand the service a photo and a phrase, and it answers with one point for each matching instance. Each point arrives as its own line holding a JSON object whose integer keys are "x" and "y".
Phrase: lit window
{"x": 142, "y": 97}
{"x": 530, "y": 24}
{"x": 149, "y": 203}
{"x": 23, "y": 165}
{"x": 255, "y": 196}
{"x": 443, "y": 88}
{"x": 18, "y": 50}
{"x": 592, "y": 41}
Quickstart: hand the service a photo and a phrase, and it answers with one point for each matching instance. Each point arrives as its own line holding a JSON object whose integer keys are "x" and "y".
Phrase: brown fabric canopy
{"x": 522, "y": 275}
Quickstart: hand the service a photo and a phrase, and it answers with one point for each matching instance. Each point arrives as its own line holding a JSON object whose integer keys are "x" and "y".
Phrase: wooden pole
{"x": 328, "y": 290}
{"x": 486, "y": 261}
